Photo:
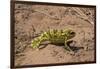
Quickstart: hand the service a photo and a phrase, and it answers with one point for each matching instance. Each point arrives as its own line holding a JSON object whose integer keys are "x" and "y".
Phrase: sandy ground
{"x": 31, "y": 20}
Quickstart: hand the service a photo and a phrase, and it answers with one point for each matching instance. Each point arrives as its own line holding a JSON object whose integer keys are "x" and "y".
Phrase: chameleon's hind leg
{"x": 42, "y": 46}
{"x": 68, "y": 48}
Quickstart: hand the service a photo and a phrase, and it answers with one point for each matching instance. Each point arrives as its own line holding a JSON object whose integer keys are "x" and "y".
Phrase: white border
{"x": 5, "y": 34}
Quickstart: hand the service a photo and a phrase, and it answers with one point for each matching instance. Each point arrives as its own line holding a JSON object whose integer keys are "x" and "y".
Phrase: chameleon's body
{"x": 55, "y": 37}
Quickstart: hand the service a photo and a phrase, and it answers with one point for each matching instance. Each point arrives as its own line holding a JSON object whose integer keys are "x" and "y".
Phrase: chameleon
{"x": 54, "y": 36}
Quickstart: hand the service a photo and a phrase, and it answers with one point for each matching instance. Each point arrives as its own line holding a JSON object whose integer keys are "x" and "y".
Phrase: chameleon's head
{"x": 70, "y": 34}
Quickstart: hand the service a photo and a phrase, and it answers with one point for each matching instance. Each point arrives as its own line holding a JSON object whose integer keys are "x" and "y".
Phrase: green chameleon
{"x": 54, "y": 36}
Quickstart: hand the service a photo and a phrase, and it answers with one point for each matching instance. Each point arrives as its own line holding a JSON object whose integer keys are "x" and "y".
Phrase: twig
{"x": 82, "y": 15}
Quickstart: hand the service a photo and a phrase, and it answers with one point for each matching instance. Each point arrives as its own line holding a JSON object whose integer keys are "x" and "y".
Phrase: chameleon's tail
{"x": 36, "y": 42}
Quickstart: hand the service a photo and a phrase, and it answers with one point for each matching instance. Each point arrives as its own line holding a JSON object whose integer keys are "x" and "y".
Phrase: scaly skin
{"x": 55, "y": 37}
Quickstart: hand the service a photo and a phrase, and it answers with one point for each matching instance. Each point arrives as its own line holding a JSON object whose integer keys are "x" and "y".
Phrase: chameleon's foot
{"x": 70, "y": 51}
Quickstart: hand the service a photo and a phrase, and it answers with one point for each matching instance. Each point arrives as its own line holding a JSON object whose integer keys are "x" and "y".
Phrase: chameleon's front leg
{"x": 68, "y": 48}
